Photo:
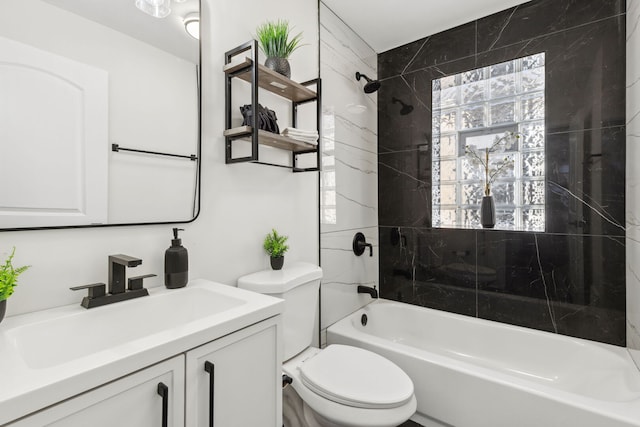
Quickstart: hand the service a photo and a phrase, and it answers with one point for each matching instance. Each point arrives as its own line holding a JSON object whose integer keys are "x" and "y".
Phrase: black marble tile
{"x": 584, "y": 76}
{"x": 574, "y": 285}
{"x": 445, "y": 270}
{"x": 517, "y": 24}
{"x": 447, "y": 46}
{"x": 579, "y": 12}
{"x": 397, "y": 246}
{"x": 585, "y": 84}
{"x": 445, "y": 297}
{"x": 429, "y": 267}
{"x": 602, "y": 325}
{"x": 539, "y": 18}
{"x": 446, "y": 256}
{"x": 397, "y": 131}
{"x": 441, "y": 48}
{"x": 394, "y": 62}
{"x": 404, "y": 186}
{"x": 570, "y": 280}
{"x": 404, "y": 116}
{"x": 585, "y": 179}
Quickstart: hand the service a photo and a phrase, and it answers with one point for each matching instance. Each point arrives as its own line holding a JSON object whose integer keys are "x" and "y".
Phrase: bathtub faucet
{"x": 368, "y": 290}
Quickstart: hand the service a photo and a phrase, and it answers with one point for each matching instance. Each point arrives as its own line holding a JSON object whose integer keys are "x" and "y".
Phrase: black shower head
{"x": 406, "y": 108}
{"x": 371, "y": 86}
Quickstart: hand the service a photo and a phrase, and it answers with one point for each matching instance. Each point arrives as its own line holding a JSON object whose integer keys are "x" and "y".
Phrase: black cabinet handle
{"x": 163, "y": 391}
{"x": 210, "y": 368}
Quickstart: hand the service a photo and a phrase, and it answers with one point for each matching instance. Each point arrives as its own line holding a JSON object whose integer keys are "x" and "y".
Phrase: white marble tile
{"x": 342, "y": 53}
{"x": 355, "y": 191}
{"x": 633, "y": 294}
{"x": 344, "y": 272}
{"x": 633, "y": 179}
{"x": 340, "y": 38}
{"x": 350, "y": 168}
{"x": 633, "y": 70}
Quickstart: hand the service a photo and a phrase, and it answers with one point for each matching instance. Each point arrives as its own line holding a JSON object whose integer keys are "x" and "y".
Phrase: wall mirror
{"x": 99, "y": 113}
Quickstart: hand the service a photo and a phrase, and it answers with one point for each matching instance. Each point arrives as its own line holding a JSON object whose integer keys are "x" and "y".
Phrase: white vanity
{"x": 203, "y": 355}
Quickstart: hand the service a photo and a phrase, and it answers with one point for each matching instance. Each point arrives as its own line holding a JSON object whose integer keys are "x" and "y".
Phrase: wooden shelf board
{"x": 271, "y": 81}
{"x": 271, "y": 139}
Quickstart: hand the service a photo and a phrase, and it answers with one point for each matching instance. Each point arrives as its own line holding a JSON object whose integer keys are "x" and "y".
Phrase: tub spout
{"x": 368, "y": 290}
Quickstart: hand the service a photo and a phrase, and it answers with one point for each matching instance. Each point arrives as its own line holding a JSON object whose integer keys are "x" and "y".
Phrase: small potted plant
{"x": 275, "y": 245}
{"x": 480, "y": 157}
{"x": 8, "y": 280}
{"x": 273, "y": 39}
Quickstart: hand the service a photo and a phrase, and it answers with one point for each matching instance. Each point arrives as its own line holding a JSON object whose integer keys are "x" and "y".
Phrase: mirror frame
{"x": 198, "y": 181}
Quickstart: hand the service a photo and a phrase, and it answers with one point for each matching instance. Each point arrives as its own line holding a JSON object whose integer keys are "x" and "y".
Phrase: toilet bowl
{"x": 339, "y": 385}
{"x": 348, "y": 386}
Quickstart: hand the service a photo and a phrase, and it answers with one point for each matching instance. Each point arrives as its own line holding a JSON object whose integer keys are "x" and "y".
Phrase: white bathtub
{"x": 471, "y": 372}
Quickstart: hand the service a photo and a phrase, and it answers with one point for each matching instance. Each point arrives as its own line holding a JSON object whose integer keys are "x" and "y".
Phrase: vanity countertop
{"x": 54, "y": 354}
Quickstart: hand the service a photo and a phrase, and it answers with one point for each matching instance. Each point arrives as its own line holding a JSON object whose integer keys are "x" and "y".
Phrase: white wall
{"x": 240, "y": 203}
{"x": 633, "y": 179}
{"x": 350, "y": 161}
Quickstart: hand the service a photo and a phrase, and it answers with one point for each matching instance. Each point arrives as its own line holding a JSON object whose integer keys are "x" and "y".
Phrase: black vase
{"x": 3, "y": 308}
{"x": 488, "y": 212}
{"x": 277, "y": 262}
{"x": 279, "y": 65}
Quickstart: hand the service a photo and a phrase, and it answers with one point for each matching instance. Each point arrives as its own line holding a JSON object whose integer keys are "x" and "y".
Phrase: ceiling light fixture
{"x": 155, "y": 8}
{"x": 192, "y": 25}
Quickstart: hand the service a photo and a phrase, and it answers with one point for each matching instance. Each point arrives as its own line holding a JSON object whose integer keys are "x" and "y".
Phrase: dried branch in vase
{"x": 480, "y": 157}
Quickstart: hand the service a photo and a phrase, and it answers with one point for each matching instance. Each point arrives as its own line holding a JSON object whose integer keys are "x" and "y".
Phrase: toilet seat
{"x": 355, "y": 377}
{"x": 342, "y": 414}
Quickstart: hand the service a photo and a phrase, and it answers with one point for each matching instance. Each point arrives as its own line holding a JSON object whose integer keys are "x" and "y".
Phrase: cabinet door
{"x": 129, "y": 401}
{"x": 237, "y": 379}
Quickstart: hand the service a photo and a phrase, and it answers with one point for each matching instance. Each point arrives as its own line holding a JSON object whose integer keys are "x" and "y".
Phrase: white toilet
{"x": 339, "y": 385}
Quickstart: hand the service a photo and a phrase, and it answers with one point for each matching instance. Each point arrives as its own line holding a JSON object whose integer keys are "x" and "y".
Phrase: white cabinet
{"x": 236, "y": 380}
{"x": 130, "y": 401}
{"x": 245, "y": 376}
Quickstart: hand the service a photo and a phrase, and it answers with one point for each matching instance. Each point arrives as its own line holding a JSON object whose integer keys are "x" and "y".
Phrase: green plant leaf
{"x": 273, "y": 39}
{"x": 275, "y": 244}
{"x": 9, "y": 276}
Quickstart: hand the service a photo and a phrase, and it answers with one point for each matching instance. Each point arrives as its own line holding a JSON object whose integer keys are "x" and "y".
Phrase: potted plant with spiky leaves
{"x": 273, "y": 39}
{"x": 276, "y": 246}
{"x": 8, "y": 280}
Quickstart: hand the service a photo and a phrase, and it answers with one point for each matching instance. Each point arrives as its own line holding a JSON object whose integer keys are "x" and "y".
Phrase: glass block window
{"x": 477, "y": 106}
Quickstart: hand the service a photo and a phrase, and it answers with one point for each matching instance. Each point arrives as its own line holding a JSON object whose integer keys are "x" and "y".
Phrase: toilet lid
{"x": 356, "y": 377}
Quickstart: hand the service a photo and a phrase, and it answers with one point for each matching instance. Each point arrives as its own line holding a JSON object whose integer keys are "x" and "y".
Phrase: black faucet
{"x": 117, "y": 271}
{"x": 97, "y": 295}
{"x": 368, "y": 290}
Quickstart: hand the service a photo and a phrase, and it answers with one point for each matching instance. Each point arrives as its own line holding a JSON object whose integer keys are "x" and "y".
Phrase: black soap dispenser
{"x": 176, "y": 263}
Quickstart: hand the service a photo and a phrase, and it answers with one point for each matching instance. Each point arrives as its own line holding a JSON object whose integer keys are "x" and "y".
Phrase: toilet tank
{"x": 298, "y": 284}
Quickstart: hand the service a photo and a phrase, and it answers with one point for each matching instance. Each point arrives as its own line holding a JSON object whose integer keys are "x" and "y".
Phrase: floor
{"x": 292, "y": 414}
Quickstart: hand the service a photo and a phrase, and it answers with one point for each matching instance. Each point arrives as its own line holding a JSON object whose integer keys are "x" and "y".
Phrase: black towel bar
{"x": 117, "y": 148}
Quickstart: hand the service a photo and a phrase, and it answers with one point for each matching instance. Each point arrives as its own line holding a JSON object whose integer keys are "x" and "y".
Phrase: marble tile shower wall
{"x": 569, "y": 279}
{"x": 349, "y": 184}
{"x": 633, "y": 178}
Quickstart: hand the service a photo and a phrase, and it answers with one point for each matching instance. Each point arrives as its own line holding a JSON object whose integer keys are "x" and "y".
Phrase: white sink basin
{"x": 63, "y": 339}
{"x": 55, "y": 354}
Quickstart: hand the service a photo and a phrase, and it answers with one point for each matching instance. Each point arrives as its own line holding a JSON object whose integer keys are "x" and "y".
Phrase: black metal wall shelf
{"x": 259, "y": 76}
